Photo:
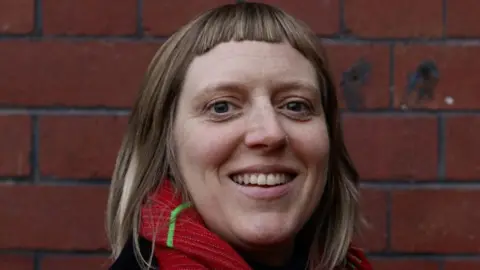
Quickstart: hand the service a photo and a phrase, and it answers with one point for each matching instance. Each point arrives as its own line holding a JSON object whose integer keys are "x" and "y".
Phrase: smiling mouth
{"x": 263, "y": 179}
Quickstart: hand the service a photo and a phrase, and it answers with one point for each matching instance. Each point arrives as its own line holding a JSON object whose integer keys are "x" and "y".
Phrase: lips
{"x": 264, "y": 176}
{"x": 262, "y": 179}
{"x": 264, "y": 186}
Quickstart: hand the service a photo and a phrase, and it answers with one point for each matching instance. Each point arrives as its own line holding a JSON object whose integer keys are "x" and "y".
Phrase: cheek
{"x": 204, "y": 147}
{"x": 312, "y": 144}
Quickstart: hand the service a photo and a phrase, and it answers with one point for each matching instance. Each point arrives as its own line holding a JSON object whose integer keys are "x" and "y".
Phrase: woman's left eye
{"x": 298, "y": 110}
{"x": 297, "y": 106}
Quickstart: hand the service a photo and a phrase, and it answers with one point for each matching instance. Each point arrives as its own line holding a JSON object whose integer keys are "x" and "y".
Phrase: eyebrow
{"x": 223, "y": 86}
{"x": 276, "y": 86}
{"x": 295, "y": 85}
{"x": 238, "y": 87}
{"x": 219, "y": 87}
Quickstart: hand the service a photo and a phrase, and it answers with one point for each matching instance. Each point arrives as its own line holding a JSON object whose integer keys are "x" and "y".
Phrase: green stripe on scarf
{"x": 173, "y": 220}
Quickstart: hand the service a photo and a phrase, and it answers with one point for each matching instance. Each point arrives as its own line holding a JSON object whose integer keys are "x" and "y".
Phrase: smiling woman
{"x": 259, "y": 130}
{"x": 234, "y": 156}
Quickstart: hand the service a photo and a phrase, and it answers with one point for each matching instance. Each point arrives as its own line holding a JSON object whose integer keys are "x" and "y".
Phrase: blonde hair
{"x": 147, "y": 153}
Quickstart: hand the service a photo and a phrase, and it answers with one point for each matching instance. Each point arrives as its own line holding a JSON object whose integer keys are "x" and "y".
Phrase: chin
{"x": 264, "y": 232}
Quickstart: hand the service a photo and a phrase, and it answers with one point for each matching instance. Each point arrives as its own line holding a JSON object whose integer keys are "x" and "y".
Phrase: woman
{"x": 234, "y": 157}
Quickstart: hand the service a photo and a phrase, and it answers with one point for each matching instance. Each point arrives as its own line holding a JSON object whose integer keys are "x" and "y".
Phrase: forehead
{"x": 249, "y": 62}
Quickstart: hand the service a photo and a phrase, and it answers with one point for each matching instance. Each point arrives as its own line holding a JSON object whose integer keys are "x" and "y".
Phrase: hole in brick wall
{"x": 421, "y": 85}
{"x": 353, "y": 80}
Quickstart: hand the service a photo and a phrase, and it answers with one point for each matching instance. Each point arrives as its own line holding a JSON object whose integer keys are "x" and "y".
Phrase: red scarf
{"x": 185, "y": 243}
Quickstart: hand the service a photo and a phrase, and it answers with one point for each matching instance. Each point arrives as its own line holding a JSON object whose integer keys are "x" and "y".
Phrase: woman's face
{"x": 252, "y": 142}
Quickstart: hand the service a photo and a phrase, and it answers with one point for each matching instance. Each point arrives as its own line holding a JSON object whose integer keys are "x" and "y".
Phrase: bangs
{"x": 248, "y": 22}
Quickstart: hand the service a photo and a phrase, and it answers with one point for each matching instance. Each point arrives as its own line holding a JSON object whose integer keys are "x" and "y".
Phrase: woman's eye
{"x": 221, "y": 107}
{"x": 296, "y": 106}
{"x": 219, "y": 111}
{"x": 298, "y": 110}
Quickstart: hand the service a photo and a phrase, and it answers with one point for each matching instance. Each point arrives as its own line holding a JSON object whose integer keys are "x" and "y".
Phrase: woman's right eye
{"x": 222, "y": 110}
{"x": 221, "y": 107}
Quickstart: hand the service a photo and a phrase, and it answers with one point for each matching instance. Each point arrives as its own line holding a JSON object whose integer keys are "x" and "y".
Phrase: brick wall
{"x": 70, "y": 69}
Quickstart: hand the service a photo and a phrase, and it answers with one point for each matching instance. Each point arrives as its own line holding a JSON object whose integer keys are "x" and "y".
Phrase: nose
{"x": 265, "y": 131}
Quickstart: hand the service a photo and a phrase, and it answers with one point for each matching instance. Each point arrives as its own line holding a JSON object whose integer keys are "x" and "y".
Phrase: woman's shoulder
{"x": 127, "y": 260}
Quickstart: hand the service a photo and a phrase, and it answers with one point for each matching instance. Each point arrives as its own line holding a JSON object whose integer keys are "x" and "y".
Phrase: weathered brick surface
{"x": 72, "y": 73}
{"x": 462, "y": 18}
{"x": 387, "y": 19}
{"x": 52, "y": 217}
{"x": 67, "y": 67}
{"x": 435, "y": 221}
{"x": 462, "y": 265}
{"x": 61, "y": 262}
{"x": 88, "y": 151}
{"x": 462, "y": 147}
{"x": 322, "y": 16}
{"x": 89, "y": 17}
{"x": 16, "y": 16}
{"x": 393, "y": 147}
{"x": 404, "y": 264}
{"x": 16, "y": 262}
{"x": 162, "y": 18}
{"x": 15, "y": 145}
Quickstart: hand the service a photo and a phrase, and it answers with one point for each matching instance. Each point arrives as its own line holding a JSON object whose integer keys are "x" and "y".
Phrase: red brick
{"x": 394, "y": 19}
{"x": 89, "y": 17}
{"x": 75, "y": 263}
{"x": 53, "y": 217}
{"x": 376, "y": 91}
{"x": 15, "y": 145}
{"x": 16, "y": 262}
{"x": 321, "y": 16}
{"x": 462, "y": 147}
{"x": 80, "y": 146}
{"x": 435, "y": 221}
{"x": 374, "y": 208}
{"x": 16, "y": 16}
{"x": 462, "y": 18}
{"x": 392, "y": 147}
{"x": 162, "y": 18}
{"x": 72, "y": 73}
{"x": 463, "y": 265}
{"x": 404, "y": 264}
{"x": 458, "y": 66}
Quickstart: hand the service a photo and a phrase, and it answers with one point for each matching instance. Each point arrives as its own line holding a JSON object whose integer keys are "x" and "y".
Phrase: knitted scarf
{"x": 182, "y": 240}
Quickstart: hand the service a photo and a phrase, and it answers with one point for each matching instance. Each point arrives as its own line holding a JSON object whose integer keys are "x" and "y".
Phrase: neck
{"x": 277, "y": 255}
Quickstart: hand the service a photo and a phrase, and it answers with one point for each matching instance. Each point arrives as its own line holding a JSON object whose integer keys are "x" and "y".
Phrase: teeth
{"x": 261, "y": 179}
